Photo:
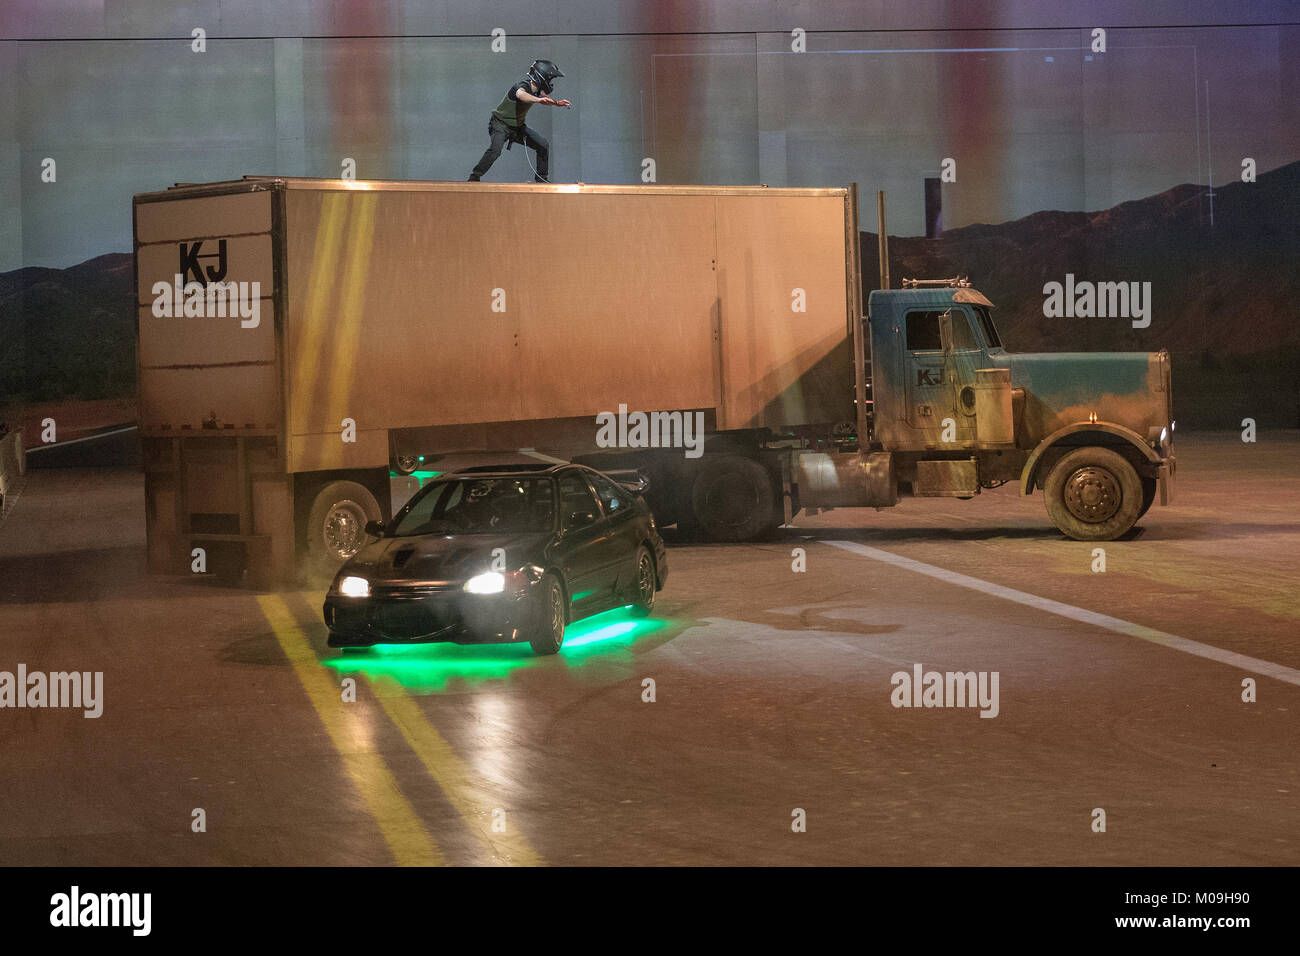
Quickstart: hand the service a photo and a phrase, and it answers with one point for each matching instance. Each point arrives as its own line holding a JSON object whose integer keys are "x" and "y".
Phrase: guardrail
{"x": 13, "y": 461}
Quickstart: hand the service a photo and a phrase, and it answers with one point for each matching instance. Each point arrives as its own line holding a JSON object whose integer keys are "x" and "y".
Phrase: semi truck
{"x": 303, "y": 342}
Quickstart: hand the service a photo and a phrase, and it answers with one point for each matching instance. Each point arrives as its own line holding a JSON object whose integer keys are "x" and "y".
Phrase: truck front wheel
{"x": 336, "y": 524}
{"x": 1093, "y": 494}
{"x": 733, "y": 499}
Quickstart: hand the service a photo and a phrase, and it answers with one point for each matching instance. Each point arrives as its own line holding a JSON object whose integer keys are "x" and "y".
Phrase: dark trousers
{"x": 501, "y": 132}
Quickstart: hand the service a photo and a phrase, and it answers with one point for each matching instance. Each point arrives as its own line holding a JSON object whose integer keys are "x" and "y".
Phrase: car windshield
{"x": 480, "y": 506}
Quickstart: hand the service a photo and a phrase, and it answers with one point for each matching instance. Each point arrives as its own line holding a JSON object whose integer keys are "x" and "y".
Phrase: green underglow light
{"x": 433, "y": 668}
{"x": 436, "y": 668}
{"x": 423, "y": 476}
{"x": 613, "y": 629}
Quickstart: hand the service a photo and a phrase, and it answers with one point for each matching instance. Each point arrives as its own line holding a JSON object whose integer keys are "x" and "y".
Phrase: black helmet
{"x": 544, "y": 74}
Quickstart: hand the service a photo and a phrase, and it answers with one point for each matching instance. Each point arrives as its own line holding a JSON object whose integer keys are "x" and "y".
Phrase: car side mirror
{"x": 580, "y": 519}
{"x": 375, "y": 529}
{"x": 945, "y": 332}
{"x": 637, "y": 484}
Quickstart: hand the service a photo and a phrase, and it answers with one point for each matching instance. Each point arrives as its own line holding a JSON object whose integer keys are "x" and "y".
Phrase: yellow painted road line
{"x": 406, "y": 836}
{"x": 453, "y": 776}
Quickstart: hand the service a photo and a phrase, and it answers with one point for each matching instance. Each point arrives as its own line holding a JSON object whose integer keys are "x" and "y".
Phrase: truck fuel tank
{"x": 846, "y": 479}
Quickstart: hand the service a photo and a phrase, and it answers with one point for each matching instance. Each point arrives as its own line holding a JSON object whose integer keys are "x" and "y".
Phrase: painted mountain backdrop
{"x": 1226, "y": 299}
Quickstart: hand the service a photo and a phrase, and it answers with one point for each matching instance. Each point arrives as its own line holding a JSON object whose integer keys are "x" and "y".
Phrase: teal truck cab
{"x": 955, "y": 412}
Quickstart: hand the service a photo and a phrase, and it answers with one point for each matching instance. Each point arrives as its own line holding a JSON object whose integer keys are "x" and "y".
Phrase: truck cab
{"x": 956, "y": 412}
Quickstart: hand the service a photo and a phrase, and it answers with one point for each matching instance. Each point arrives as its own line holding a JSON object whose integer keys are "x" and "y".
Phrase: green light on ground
{"x": 435, "y": 668}
{"x": 613, "y": 629}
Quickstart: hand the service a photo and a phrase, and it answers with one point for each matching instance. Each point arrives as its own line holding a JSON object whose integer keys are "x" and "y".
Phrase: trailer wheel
{"x": 1093, "y": 494}
{"x": 733, "y": 499}
{"x": 336, "y": 524}
{"x": 404, "y": 464}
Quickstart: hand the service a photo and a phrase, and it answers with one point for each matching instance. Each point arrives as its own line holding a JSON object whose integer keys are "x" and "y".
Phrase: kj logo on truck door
{"x": 198, "y": 290}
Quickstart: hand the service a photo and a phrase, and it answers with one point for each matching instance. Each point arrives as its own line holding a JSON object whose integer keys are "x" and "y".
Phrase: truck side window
{"x": 962, "y": 336}
{"x": 923, "y": 331}
{"x": 990, "y": 331}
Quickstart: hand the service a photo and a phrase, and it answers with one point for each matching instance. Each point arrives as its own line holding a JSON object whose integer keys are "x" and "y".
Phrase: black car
{"x": 508, "y": 555}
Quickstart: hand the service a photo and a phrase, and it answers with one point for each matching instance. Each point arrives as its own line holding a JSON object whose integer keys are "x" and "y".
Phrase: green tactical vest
{"x": 512, "y": 112}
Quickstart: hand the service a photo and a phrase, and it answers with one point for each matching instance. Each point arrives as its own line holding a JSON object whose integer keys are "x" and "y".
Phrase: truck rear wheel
{"x": 1093, "y": 494}
{"x": 733, "y": 499}
{"x": 336, "y": 524}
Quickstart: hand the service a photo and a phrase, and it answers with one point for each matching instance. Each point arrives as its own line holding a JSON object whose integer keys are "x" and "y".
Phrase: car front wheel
{"x": 643, "y": 599}
{"x": 547, "y": 636}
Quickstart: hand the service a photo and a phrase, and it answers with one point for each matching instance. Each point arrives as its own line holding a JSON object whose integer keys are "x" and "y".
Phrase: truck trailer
{"x": 302, "y": 341}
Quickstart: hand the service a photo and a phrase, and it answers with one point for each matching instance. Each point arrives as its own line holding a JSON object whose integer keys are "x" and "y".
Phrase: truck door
{"x": 929, "y": 396}
{"x": 938, "y": 385}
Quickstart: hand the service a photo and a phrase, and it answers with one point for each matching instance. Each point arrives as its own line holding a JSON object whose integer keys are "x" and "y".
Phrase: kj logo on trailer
{"x": 198, "y": 290}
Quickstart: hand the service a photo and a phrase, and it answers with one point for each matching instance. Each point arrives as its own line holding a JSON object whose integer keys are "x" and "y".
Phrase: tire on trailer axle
{"x": 336, "y": 524}
{"x": 733, "y": 499}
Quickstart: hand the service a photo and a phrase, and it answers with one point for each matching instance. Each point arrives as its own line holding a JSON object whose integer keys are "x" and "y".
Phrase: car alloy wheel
{"x": 547, "y": 636}
{"x": 644, "y": 602}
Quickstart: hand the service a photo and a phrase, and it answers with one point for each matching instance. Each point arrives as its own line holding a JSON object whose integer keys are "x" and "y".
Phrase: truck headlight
{"x": 353, "y": 586}
{"x": 489, "y": 582}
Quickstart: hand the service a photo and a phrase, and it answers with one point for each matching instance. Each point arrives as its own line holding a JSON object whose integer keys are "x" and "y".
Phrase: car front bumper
{"x": 394, "y": 617}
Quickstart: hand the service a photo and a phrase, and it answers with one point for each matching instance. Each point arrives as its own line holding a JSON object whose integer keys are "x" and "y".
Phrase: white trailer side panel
{"x": 413, "y": 305}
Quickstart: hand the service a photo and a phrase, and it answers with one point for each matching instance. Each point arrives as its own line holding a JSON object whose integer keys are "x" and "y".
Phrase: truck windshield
{"x": 480, "y": 506}
{"x": 990, "y": 331}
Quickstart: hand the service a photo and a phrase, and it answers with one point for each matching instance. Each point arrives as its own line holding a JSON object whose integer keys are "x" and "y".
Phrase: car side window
{"x": 612, "y": 497}
{"x": 575, "y": 496}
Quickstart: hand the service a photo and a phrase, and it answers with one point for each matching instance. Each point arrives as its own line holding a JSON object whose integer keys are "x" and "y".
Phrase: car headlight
{"x": 489, "y": 582}
{"x": 353, "y": 586}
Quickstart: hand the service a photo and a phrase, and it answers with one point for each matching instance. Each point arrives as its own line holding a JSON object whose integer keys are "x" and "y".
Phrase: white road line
{"x": 73, "y": 441}
{"x": 1252, "y": 664}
